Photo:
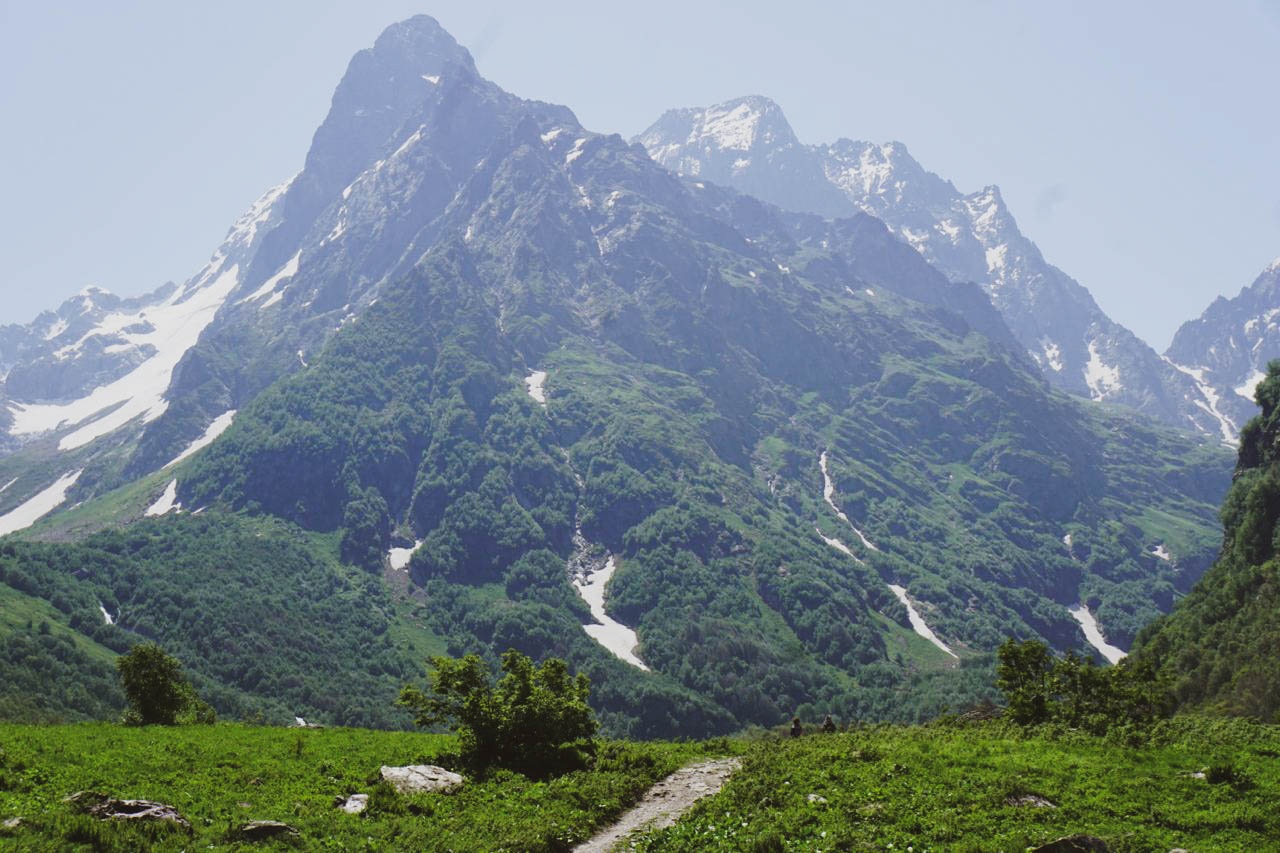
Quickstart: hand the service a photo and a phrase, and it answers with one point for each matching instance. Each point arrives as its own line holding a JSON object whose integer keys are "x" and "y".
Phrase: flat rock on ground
{"x": 663, "y": 804}
{"x": 104, "y": 807}
{"x": 418, "y": 778}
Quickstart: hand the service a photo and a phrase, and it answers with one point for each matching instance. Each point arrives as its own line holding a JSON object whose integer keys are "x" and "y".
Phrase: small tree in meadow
{"x": 157, "y": 691}
{"x": 535, "y": 720}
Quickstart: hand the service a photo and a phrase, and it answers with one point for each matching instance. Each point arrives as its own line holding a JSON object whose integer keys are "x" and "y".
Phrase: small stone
{"x": 355, "y": 803}
{"x": 1033, "y": 801}
{"x": 420, "y": 778}
{"x": 260, "y": 830}
{"x": 817, "y": 798}
{"x": 13, "y": 823}
{"x": 1074, "y": 844}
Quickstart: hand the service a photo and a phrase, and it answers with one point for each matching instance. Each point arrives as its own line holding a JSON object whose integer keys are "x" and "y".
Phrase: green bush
{"x": 535, "y": 720}
{"x": 157, "y": 691}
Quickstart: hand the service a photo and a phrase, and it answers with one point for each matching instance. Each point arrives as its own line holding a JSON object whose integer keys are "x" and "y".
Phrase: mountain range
{"x": 748, "y": 144}
{"x": 784, "y": 431}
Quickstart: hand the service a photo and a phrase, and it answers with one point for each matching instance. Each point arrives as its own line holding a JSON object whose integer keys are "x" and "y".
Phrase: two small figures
{"x": 828, "y": 726}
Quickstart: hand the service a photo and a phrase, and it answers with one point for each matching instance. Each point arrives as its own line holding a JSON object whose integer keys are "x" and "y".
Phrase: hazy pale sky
{"x": 1135, "y": 142}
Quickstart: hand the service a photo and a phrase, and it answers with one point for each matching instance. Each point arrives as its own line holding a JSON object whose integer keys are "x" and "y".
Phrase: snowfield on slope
{"x": 215, "y": 429}
{"x": 1093, "y": 634}
{"x": 166, "y": 331}
{"x": 167, "y": 502}
{"x": 39, "y": 505}
{"x": 917, "y": 621}
{"x": 610, "y": 633}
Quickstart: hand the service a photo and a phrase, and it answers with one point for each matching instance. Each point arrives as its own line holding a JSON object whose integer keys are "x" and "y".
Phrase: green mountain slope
{"x": 1221, "y": 644}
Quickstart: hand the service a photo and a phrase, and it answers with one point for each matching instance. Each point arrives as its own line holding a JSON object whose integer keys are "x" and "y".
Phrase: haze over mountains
{"x": 775, "y": 434}
{"x": 748, "y": 144}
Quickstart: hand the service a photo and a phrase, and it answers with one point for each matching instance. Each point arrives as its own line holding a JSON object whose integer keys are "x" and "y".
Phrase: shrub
{"x": 535, "y": 720}
{"x": 157, "y": 691}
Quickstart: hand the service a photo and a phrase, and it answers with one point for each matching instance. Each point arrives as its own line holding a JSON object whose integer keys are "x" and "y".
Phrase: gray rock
{"x": 261, "y": 830}
{"x": 355, "y": 803}
{"x": 1033, "y": 801}
{"x": 419, "y": 778}
{"x": 817, "y": 798}
{"x": 13, "y": 823}
{"x": 105, "y": 807}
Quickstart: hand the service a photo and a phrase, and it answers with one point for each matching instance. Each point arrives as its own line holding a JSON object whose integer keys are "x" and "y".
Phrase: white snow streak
{"x": 39, "y": 505}
{"x": 215, "y": 429}
{"x": 106, "y": 617}
{"x": 613, "y": 635}
{"x": 1093, "y": 634}
{"x": 6, "y": 486}
{"x": 289, "y": 270}
{"x": 1161, "y": 552}
{"x": 1210, "y": 402}
{"x": 838, "y": 545}
{"x": 917, "y": 621}
{"x": 167, "y": 502}
{"x": 828, "y": 495}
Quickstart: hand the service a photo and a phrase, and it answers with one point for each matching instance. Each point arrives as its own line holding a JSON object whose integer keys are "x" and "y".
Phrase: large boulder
{"x": 420, "y": 778}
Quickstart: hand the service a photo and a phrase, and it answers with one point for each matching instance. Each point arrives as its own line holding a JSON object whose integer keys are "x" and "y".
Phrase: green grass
{"x": 947, "y": 787}
{"x": 220, "y": 777}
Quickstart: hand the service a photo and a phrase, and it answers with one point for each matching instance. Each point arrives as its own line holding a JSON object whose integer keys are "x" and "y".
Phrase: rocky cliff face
{"x": 747, "y": 144}
{"x": 1226, "y": 349}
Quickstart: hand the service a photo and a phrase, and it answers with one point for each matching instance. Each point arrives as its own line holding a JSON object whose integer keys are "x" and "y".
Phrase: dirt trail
{"x": 663, "y": 804}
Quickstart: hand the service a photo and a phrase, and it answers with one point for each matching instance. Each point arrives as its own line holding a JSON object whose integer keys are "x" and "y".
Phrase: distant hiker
{"x": 796, "y": 728}
{"x": 828, "y": 725}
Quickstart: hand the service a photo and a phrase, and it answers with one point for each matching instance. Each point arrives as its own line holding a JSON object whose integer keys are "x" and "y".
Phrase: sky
{"x": 1136, "y": 143}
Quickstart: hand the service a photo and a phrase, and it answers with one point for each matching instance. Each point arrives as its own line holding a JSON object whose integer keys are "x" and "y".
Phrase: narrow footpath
{"x": 662, "y": 805}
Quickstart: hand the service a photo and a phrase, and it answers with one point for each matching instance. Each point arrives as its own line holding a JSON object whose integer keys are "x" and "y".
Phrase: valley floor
{"x": 1197, "y": 784}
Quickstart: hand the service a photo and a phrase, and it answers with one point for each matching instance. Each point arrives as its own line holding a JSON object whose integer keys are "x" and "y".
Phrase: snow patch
{"x": 1093, "y": 634}
{"x": 6, "y": 486}
{"x": 215, "y": 429}
{"x": 533, "y": 384}
{"x": 433, "y": 79}
{"x": 399, "y": 557}
{"x": 39, "y": 505}
{"x": 1162, "y": 552}
{"x": 576, "y": 151}
{"x": 1247, "y": 388}
{"x": 917, "y": 621}
{"x": 1052, "y": 354}
{"x": 1101, "y": 378}
{"x": 167, "y": 502}
{"x": 613, "y": 635}
{"x": 106, "y": 617}
{"x": 828, "y": 495}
